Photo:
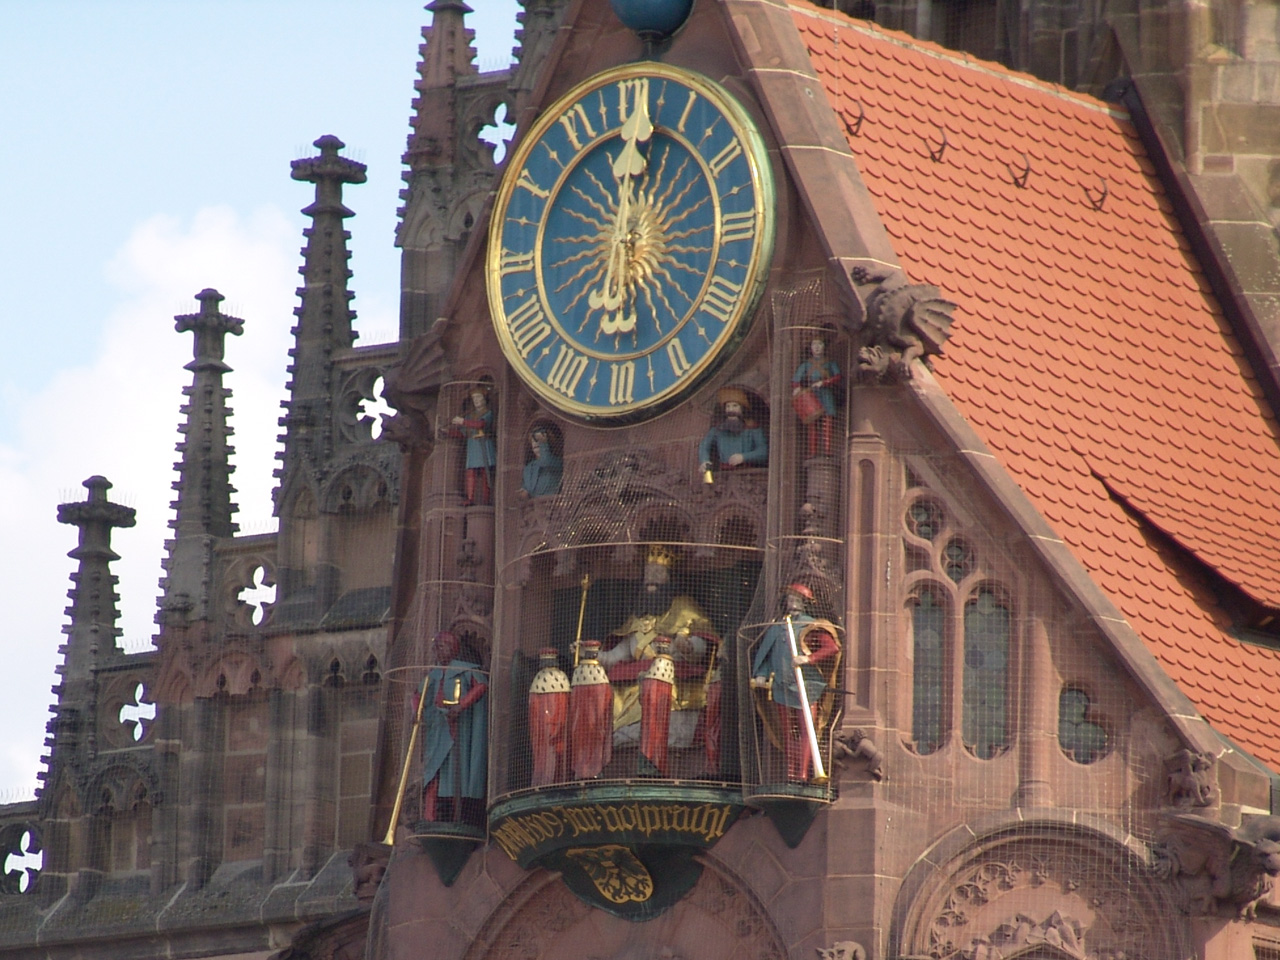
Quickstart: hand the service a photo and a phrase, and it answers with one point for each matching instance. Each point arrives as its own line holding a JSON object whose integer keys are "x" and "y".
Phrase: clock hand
{"x": 629, "y": 163}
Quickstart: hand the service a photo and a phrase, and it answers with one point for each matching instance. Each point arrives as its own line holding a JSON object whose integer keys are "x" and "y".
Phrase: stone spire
{"x": 203, "y": 508}
{"x": 446, "y": 54}
{"x": 92, "y": 631}
{"x": 204, "y": 505}
{"x": 324, "y": 315}
{"x": 539, "y": 21}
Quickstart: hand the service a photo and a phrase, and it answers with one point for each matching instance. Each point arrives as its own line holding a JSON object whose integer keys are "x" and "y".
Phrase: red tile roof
{"x": 1087, "y": 350}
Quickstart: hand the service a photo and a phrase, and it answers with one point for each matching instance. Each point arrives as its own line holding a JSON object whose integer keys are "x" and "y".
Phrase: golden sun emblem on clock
{"x": 639, "y": 226}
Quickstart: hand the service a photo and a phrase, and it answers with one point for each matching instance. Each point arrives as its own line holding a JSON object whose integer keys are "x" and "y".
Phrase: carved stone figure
{"x": 368, "y": 862}
{"x": 1021, "y": 933}
{"x": 544, "y": 469}
{"x": 454, "y": 734}
{"x": 773, "y": 669}
{"x": 482, "y": 450}
{"x": 843, "y": 950}
{"x": 548, "y": 720}
{"x": 856, "y": 745}
{"x": 905, "y": 321}
{"x": 1190, "y": 779}
{"x": 734, "y": 441}
{"x": 813, "y": 396}
{"x": 1218, "y": 870}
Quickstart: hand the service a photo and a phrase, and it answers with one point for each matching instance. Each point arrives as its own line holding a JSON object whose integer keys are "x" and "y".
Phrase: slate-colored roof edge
{"x": 1213, "y": 260}
{"x": 967, "y": 61}
{"x": 1070, "y": 575}
{"x": 811, "y": 141}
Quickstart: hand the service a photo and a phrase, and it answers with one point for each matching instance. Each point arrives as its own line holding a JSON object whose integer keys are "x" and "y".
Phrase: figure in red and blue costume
{"x": 482, "y": 451}
{"x": 814, "y": 397}
{"x": 455, "y": 734}
{"x": 774, "y": 669}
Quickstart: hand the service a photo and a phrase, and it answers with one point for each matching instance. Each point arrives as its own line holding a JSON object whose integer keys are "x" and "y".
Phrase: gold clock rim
{"x": 761, "y": 172}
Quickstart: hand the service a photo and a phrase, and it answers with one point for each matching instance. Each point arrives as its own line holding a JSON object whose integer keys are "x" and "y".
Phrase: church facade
{"x": 828, "y": 512}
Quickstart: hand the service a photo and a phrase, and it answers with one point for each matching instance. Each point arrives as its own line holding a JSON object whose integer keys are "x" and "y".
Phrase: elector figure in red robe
{"x": 709, "y": 723}
{"x": 590, "y": 714}
{"x": 548, "y": 720}
{"x": 656, "y": 687}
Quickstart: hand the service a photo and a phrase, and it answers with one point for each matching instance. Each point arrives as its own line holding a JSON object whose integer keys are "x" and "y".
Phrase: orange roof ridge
{"x": 968, "y": 61}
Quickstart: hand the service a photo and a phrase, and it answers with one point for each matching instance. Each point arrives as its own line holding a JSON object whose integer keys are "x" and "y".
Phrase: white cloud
{"x": 118, "y": 416}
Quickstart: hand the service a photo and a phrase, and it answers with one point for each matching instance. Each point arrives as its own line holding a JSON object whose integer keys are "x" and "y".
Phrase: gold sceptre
{"x": 819, "y": 772}
{"x": 582, "y": 613}
{"x": 389, "y": 839}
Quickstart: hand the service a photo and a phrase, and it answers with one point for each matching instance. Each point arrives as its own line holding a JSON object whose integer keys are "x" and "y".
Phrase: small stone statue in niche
{"x": 544, "y": 467}
{"x": 735, "y": 441}
{"x": 455, "y": 734}
{"x": 813, "y": 396}
{"x": 482, "y": 450}
{"x": 774, "y": 671}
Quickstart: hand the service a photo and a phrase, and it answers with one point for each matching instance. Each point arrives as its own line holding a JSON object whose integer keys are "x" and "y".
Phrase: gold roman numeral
{"x": 510, "y": 262}
{"x": 631, "y": 93}
{"x": 575, "y": 122}
{"x": 566, "y": 371}
{"x": 720, "y": 298}
{"x": 680, "y": 364}
{"x": 731, "y": 152}
{"x": 622, "y": 381}
{"x": 528, "y": 326}
{"x": 738, "y": 226}
{"x": 526, "y": 181}
{"x": 688, "y": 109}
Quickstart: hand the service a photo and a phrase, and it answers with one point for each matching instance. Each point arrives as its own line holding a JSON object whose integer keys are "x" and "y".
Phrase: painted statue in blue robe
{"x": 542, "y": 474}
{"x": 455, "y": 730}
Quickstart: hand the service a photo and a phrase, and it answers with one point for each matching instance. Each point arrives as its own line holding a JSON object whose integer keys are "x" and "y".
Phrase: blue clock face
{"x": 630, "y": 240}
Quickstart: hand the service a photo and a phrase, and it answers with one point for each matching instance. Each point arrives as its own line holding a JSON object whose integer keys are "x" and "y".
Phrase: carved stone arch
{"x": 174, "y": 684}
{"x": 118, "y": 778}
{"x": 465, "y": 209}
{"x": 1010, "y": 887}
{"x": 358, "y": 488}
{"x": 542, "y": 920}
{"x": 237, "y": 673}
{"x": 732, "y": 524}
{"x": 662, "y": 520}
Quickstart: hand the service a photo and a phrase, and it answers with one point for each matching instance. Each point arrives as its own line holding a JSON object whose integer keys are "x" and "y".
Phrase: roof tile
{"x": 1067, "y": 362}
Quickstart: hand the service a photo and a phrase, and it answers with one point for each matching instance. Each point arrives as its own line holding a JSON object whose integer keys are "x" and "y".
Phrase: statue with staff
{"x": 795, "y": 664}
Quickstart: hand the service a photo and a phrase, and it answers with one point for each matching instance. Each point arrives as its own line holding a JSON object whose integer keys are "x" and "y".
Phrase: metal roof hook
{"x": 936, "y": 154}
{"x": 855, "y": 126}
{"x": 1097, "y": 200}
{"x": 1020, "y": 177}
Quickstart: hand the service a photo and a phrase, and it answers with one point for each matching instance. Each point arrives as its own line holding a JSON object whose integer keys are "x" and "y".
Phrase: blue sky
{"x": 144, "y": 155}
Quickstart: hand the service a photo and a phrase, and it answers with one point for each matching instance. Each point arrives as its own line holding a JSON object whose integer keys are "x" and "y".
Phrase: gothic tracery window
{"x": 961, "y": 634}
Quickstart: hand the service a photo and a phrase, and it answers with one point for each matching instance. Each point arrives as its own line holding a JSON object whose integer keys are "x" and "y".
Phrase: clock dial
{"x": 630, "y": 240}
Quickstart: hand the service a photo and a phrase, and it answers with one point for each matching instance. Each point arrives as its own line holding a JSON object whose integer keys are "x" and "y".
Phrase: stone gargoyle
{"x": 905, "y": 321}
{"x": 1217, "y": 870}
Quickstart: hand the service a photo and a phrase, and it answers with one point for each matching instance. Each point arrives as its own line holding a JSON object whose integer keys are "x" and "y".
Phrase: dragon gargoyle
{"x": 905, "y": 321}
{"x": 1217, "y": 870}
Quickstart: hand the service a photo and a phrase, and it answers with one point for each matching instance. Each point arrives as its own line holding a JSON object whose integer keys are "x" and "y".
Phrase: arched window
{"x": 928, "y": 622}
{"x": 986, "y": 674}
{"x": 962, "y": 629}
